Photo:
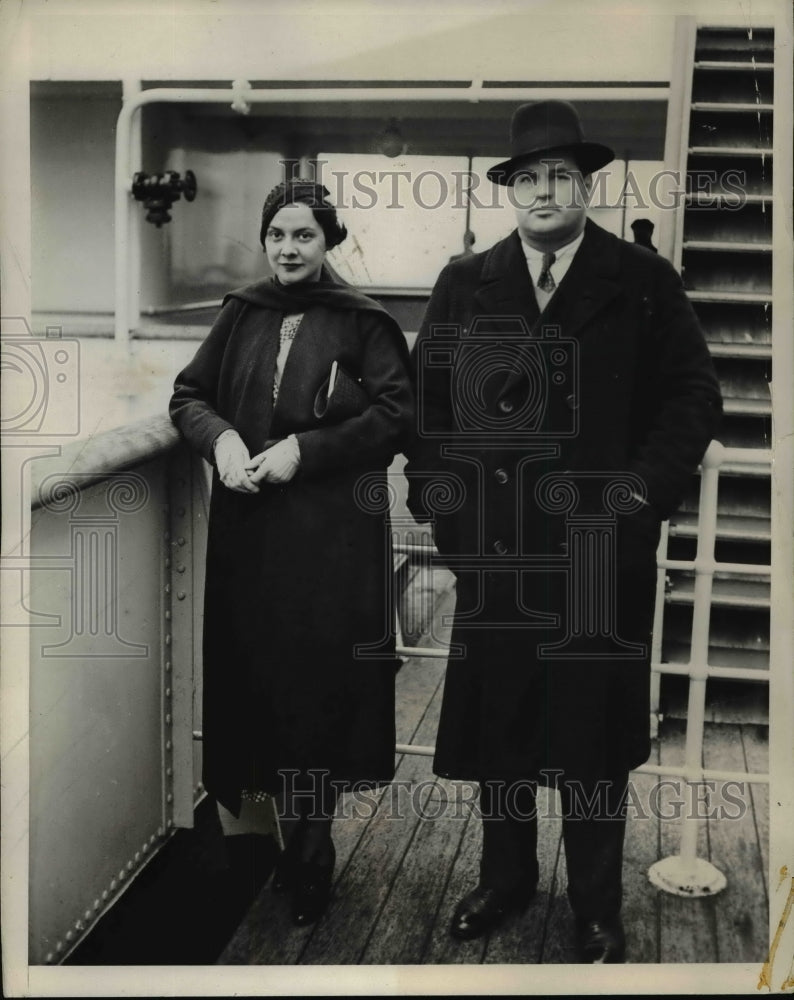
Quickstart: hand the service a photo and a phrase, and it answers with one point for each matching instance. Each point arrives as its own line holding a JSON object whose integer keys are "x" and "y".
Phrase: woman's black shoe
{"x": 286, "y": 867}
{"x": 312, "y": 889}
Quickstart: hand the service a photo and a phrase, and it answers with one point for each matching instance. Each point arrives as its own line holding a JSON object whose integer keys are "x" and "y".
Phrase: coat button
{"x": 506, "y": 406}
{"x": 572, "y": 401}
{"x": 501, "y": 476}
{"x": 499, "y": 547}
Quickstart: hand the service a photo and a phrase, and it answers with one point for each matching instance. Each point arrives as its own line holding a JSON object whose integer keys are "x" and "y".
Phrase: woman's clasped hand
{"x": 240, "y": 472}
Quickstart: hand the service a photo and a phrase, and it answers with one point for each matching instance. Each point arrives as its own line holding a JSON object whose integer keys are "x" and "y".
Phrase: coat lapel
{"x": 505, "y": 288}
{"x": 589, "y": 284}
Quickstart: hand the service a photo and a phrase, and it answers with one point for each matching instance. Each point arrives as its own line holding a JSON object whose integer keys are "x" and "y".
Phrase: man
{"x": 566, "y": 396}
{"x": 643, "y": 232}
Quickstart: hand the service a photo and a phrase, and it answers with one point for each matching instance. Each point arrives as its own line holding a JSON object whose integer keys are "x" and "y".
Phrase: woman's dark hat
{"x": 546, "y": 128}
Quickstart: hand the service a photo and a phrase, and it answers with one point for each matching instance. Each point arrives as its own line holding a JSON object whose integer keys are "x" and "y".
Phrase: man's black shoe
{"x": 485, "y": 908}
{"x": 601, "y": 942}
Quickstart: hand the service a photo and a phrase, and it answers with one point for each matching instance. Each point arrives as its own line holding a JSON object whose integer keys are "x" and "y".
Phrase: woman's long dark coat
{"x": 613, "y": 384}
{"x": 298, "y": 575}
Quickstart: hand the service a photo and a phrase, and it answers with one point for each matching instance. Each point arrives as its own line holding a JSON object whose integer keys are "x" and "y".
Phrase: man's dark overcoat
{"x": 298, "y": 574}
{"x": 613, "y": 383}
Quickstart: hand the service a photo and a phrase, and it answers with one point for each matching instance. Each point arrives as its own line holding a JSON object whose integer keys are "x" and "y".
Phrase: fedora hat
{"x": 548, "y": 128}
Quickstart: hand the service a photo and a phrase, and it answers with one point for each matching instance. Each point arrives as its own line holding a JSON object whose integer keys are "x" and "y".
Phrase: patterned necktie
{"x": 546, "y": 281}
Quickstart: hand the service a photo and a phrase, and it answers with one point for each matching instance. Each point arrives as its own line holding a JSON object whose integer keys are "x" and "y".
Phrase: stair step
{"x": 747, "y": 407}
{"x": 729, "y": 151}
{"x": 723, "y": 349}
{"x": 701, "y": 198}
{"x": 731, "y": 106}
{"x": 746, "y": 529}
{"x": 734, "y": 64}
{"x": 724, "y": 246}
{"x": 725, "y": 296}
{"x": 733, "y": 592}
{"x": 728, "y": 630}
{"x": 722, "y": 656}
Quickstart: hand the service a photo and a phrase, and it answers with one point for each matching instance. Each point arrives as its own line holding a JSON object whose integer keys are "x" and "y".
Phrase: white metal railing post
{"x": 658, "y": 626}
{"x": 686, "y": 874}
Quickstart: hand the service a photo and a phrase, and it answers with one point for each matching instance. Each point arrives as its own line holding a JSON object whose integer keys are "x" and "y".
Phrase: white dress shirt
{"x": 563, "y": 256}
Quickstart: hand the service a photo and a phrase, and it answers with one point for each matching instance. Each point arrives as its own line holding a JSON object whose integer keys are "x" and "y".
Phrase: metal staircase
{"x": 724, "y": 249}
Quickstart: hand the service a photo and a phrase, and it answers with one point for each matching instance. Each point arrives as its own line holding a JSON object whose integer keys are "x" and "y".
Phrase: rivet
{"x": 169, "y": 797}
{"x": 181, "y": 595}
{"x": 154, "y": 837}
{"x": 170, "y": 823}
{"x": 160, "y": 831}
{"x": 168, "y": 616}
{"x": 168, "y": 720}
{"x": 59, "y": 945}
{"x": 69, "y": 935}
{"x": 200, "y": 786}
{"x": 145, "y": 847}
{"x": 130, "y": 865}
{"x": 168, "y": 744}
{"x": 50, "y": 958}
{"x": 96, "y": 904}
{"x": 113, "y": 884}
{"x": 168, "y": 692}
{"x": 168, "y": 588}
{"x": 138, "y": 856}
{"x": 169, "y": 772}
{"x": 78, "y": 925}
{"x": 181, "y": 540}
{"x": 180, "y": 568}
{"x": 168, "y": 640}
{"x": 122, "y": 875}
{"x": 167, "y": 666}
{"x": 87, "y": 914}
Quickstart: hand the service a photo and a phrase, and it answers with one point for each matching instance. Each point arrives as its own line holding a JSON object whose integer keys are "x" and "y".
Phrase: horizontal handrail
{"x": 89, "y": 461}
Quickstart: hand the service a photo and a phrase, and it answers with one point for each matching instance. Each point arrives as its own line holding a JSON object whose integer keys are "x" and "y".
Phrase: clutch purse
{"x": 340, "y": 397}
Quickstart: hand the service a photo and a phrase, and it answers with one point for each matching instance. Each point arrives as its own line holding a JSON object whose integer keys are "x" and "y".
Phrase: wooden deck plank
{"x": 559, "y": 944}
{"x": 755, "y": 741}
{"x": 522, "y": 937}
{"x": 742, "y": 908}
{"x": 267, "y": 936}
{"x": 408, "y": 918}
{"x": 442, "y": 948}
{"x": 641, "y": 849}
{"x": 416, "y": 683}
{"x": 686, "y": 929}
{"x": 343, "y": 933}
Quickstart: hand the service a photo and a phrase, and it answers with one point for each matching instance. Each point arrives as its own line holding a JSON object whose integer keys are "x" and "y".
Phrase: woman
{"x": 300, "y": 398}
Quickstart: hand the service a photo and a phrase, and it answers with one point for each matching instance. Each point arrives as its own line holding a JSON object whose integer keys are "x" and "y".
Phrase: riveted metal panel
{"x": 98, "y": 804}
{"x": 185, "y": 596}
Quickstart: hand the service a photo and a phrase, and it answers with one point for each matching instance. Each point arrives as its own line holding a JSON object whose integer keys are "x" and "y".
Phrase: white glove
{"x": 277, "y": 464}
{"x": 231, "y": 458}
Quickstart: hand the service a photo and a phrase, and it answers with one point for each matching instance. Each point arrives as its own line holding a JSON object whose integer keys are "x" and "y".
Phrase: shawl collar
{"x": 269, "y": 294}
